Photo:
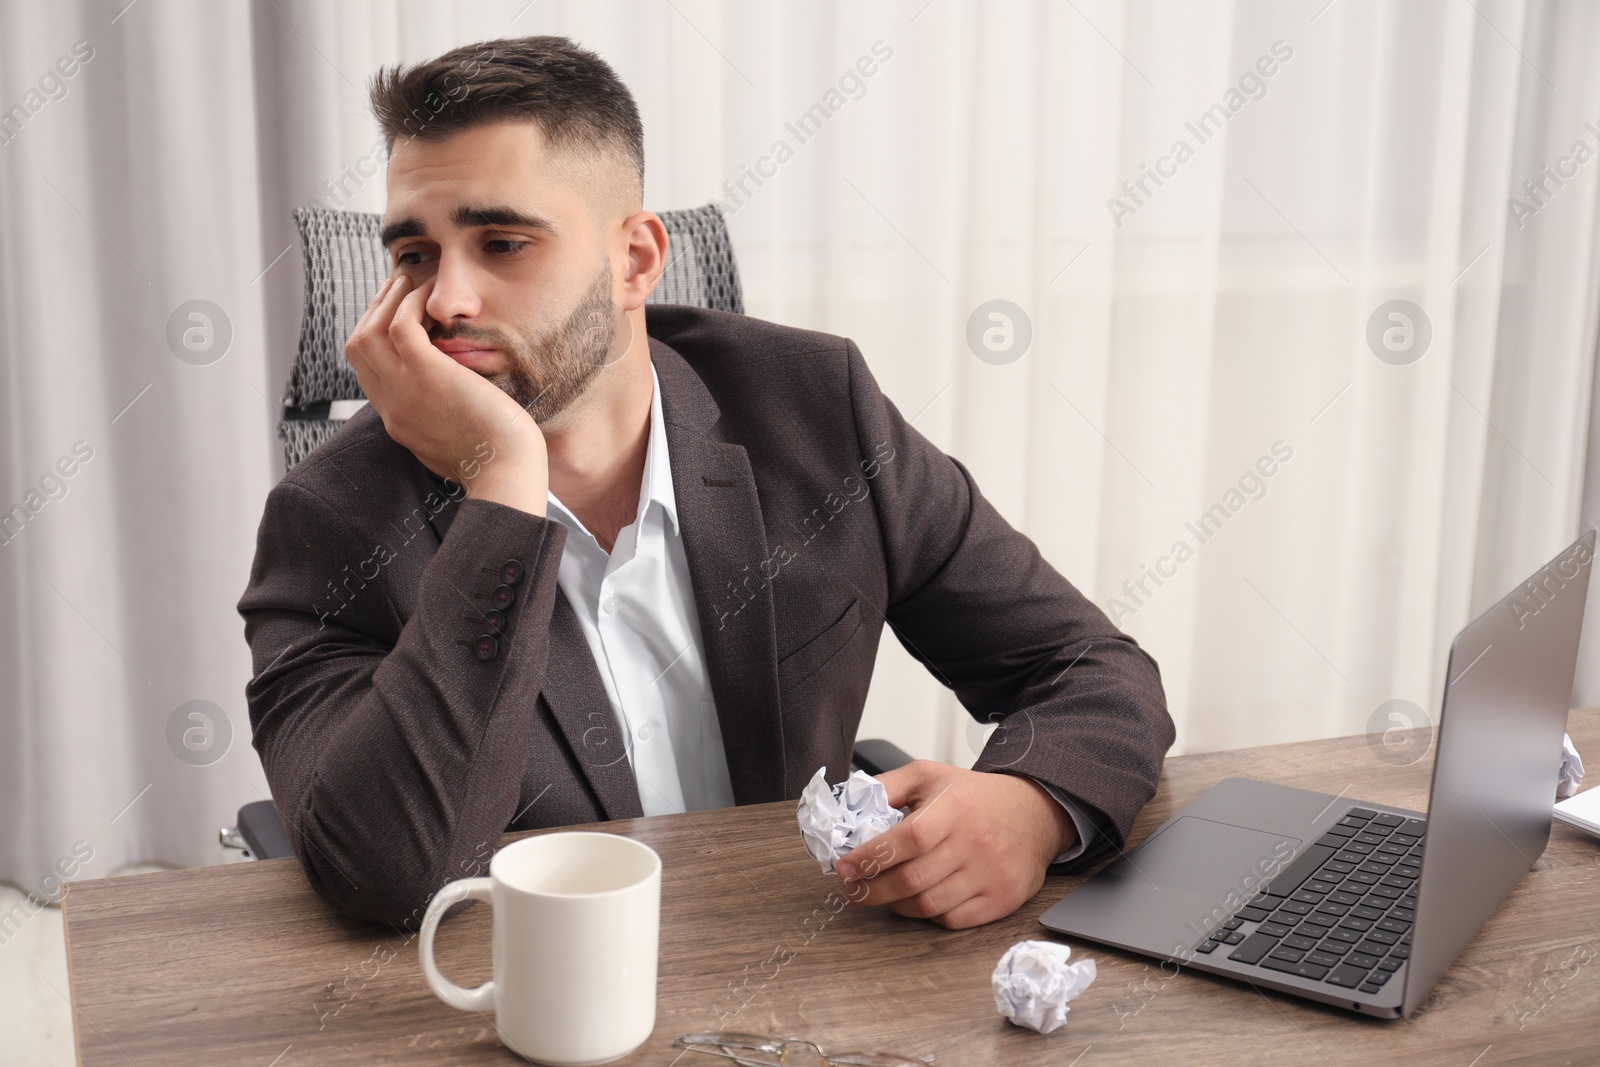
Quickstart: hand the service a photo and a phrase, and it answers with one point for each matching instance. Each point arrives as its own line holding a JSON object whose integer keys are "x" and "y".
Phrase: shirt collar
{"x": 657, "y": 485}
{"x": 657, "y": 463}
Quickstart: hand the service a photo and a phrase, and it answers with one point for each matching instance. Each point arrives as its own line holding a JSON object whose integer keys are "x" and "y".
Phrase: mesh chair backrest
{"x": 345, "y": 263}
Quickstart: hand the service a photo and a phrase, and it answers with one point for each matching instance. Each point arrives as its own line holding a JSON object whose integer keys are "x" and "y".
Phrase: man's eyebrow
{"x": 466, "y": 218}
{"x": 407, "y": 227}
{"x": 499, "y": 215}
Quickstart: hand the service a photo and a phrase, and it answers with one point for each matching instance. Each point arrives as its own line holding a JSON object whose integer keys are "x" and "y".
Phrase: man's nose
{"x": 454, "y": 292}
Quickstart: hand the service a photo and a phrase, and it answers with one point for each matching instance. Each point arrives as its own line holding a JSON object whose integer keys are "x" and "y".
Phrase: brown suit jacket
{"x": 399, "y": 745}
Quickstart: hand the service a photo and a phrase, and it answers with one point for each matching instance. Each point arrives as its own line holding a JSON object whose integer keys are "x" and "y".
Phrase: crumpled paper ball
{"x": 1571, "y": 769}
{"x": 1034, "y": 981}
{"x": 835, "y": 820}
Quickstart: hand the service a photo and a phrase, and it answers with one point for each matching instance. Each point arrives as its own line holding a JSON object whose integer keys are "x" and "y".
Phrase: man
{"x": 579, "y": 562}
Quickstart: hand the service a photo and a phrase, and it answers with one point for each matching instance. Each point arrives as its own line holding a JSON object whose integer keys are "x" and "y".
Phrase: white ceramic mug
{"x": 577, "y": 930}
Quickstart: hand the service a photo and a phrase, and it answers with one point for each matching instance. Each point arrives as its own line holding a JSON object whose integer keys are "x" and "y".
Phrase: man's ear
{"x": 646, "y": 245}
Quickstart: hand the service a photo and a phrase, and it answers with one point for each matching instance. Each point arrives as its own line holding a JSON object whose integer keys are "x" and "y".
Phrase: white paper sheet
{"x": 1582, "y": 811}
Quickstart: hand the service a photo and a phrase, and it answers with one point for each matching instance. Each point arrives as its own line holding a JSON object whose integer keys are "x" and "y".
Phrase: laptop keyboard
{"x": 1341, "y": 913}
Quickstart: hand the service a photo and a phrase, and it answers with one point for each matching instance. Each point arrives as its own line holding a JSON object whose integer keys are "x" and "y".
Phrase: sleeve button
{"x": 511, "y": 571}
{"x": 496, "y": 621}
{"x": 503, "y": 597}
{"x": 486, "y": 647}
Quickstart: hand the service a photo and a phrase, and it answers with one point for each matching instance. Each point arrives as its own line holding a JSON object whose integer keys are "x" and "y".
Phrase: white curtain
{"x": 936, "y": 156}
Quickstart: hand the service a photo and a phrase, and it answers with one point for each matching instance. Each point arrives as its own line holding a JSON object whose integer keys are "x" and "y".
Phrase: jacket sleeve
{"x": 394, "y": 752}
{"x": 1079, "y": 703}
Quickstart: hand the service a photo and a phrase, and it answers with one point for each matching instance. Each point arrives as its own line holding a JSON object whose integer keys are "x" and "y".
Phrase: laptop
{"x": 1357, "y": 904}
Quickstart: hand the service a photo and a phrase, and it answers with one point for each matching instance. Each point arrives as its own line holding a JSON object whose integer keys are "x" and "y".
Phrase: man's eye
{"x": 504, "y": 247}
{"x": 408, "y": 259}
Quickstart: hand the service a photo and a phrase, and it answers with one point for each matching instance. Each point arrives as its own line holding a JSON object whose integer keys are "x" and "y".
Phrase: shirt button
{"x": 610, "y": 605}
{"x": 646, "y": 731}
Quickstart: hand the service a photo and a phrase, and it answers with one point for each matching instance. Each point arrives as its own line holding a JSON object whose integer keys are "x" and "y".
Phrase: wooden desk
{"x": 242, "y": 964}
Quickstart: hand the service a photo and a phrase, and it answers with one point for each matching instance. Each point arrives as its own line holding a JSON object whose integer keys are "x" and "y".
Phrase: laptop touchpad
{"x": 1175, "y": 887}
{"x": 1209, "y": 858}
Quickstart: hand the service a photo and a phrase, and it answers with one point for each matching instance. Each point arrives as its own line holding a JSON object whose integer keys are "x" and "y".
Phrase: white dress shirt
{"x": 636, "y": 608}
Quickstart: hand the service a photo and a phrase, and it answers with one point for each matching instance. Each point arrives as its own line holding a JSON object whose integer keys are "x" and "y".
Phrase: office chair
{"x": 344, "y": 265}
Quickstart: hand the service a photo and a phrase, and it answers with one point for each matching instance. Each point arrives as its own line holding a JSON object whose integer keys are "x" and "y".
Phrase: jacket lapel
{"x": 725, "y": 542}
{"x": 577, "y": 699}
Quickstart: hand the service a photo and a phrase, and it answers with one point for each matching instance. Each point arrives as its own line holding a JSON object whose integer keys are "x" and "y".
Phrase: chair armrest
{"x": 875, "y": 756}
{"x": 263, "y": 832}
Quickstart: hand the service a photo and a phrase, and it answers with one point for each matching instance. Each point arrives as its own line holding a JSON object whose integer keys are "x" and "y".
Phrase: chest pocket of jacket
{"x": 817, "y": 653}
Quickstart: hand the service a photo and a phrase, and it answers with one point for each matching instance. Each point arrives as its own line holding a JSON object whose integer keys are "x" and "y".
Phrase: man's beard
{"x": 550, "y": 371}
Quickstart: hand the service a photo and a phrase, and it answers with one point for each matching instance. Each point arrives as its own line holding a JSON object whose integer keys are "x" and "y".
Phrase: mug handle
{"x": 479, "y": 999}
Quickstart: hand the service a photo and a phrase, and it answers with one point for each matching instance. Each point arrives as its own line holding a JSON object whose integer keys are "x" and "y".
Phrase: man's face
{"x": 522, "y": 286}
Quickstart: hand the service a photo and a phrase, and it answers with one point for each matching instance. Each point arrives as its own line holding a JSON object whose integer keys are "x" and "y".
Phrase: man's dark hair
{"x": 582, "y": 108}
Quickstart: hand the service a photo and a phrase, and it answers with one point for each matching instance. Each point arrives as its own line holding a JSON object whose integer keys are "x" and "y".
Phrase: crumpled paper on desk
{"x": 1571, "y": 769}
{"x": 1034, "y": 981}
{"x": 835, "y": 820}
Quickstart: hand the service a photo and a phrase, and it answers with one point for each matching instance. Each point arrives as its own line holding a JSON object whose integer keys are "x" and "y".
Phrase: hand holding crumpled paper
{"x": 1034, "y": 981}
{"x": 835, "y": 820}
